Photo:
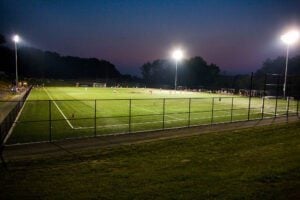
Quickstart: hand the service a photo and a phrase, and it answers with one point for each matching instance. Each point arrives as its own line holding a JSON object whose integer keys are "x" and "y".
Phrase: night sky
{"x": 237, "y": 35}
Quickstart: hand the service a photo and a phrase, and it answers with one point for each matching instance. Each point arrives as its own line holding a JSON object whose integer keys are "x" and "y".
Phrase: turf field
{"x": 81, "y": 112}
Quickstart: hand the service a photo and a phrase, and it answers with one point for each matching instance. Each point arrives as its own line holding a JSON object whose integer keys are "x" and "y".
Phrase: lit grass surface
{"x": 74, "y": 112}
{"x": 256, "y": 163}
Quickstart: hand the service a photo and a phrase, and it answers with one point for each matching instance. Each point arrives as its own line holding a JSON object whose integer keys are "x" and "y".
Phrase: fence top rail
{"x": 166, "y": 98}
{"x": 270, "y": 74}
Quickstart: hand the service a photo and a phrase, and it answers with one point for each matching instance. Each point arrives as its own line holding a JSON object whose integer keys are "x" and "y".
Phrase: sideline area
{"x": 8, "y": 105}
{"x": 76, "y": 145}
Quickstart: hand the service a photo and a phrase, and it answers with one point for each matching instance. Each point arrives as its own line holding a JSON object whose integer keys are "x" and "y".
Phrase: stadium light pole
{"x": 16, "y": 39}
{"x": 288, "y": 38}
{"x": 177, "y": 56}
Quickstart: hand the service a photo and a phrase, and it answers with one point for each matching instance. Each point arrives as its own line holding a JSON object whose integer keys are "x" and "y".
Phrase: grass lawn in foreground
{"x": 81, "y": 112}
{"x": 256, "y": 163}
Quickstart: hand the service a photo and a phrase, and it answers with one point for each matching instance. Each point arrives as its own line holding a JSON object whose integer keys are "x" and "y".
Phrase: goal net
{"x": 101, "y": 85}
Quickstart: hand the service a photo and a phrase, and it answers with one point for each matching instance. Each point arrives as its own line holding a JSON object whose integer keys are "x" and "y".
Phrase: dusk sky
{"x": 237, "y": 35}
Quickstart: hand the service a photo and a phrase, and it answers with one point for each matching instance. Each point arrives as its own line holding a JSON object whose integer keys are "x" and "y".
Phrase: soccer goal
{"x": 268, "y": 105}
{"x": 273, "y": 105}
{"x": 101, "y": 85}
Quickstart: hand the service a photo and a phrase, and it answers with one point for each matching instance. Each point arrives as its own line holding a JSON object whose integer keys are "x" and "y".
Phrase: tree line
{"x": 39, "y": 64}
{"x": 196, "y": 73}
{"x": 192, "y": 73}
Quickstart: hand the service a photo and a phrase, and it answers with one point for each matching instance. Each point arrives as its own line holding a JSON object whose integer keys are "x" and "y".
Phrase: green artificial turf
{"x": 254, "y": 163}
{"x": 81, "y": 112}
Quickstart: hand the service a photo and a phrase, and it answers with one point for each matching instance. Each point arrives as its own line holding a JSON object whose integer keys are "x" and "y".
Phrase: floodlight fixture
{"x": 177, "y": 55}
{"x": 16, "y": 38}
{"x": 290, "y": 37}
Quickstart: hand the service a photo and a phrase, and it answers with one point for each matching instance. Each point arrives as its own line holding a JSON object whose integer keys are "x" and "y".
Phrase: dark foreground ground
{"x": 262, "y": 162}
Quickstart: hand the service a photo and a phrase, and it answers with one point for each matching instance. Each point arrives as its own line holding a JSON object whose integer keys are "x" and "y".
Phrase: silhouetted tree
{"x": 39, "y": 64}
{"x": 192, "y": 73}
{"x": 277, "y": 66}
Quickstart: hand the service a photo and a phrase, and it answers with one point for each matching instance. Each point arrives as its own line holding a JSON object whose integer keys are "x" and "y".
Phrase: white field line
{"x": 61, "y": 112}
{"x": 293, "y": 111}
{"x": 154, "y": 122}
{"x": 155, "y": 112}
{"x": 271, "y": 113}
{"x": 14, "y": 124}
{"x": 137, "y": 107}
{"x": 148, "y": 110}
{"x": 279, "y": 111}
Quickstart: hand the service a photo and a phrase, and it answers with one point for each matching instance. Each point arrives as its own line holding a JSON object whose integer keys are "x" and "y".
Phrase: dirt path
{"x": 71, "y": 146}
{"x": 7, "y": 106}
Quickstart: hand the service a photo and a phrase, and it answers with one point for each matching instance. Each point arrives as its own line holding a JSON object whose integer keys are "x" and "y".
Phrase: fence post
{"x": 231, "y": 113}
{"x": 287, "y": 107}
{"x": 298, "y": 107}
{"x": 189, "y": 119}
{"x": 164, "y": 109}
{"x": 212, "y": 111}
{"x": 277, "y": 90}
{"x": 50, "y": 121}
{"x": 263, "y": 97}
{"x": 263, "y": 108}
{"x": 129, "y": 117}
{"x": 265, "y": 85}
{"x": 19, "y": 106}
{"x": 95, "y": 119}
{"x": 250, "y": 95}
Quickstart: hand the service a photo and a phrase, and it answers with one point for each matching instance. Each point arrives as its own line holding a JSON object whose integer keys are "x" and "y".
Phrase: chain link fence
{"x": 9, "y": 120}
{"x": 48, "y": 120}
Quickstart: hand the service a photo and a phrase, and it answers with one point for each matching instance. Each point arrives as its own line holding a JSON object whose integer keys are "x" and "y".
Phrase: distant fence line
{"x": 261, "y": 85}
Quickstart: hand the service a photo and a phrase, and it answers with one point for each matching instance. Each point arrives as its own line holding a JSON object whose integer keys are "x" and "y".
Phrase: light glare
{"x": 16, "y": 38}
{"x": 177, "y": 54}
{"x": 290, "y": 37}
